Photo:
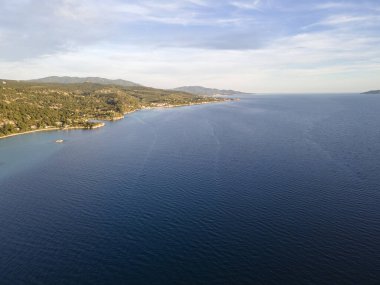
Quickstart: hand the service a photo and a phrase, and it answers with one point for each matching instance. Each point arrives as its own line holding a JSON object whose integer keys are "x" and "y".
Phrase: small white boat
{"x": 59, "y": 141}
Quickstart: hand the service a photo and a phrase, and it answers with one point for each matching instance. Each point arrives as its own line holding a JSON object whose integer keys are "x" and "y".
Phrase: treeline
{"x": 30, "y": 106}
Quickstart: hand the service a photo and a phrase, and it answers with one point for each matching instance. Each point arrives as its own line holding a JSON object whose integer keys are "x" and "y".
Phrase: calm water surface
{"x": 267, "y": 190}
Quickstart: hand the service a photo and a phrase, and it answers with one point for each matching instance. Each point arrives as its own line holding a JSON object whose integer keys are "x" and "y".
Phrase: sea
{"x": 270, "y": 189}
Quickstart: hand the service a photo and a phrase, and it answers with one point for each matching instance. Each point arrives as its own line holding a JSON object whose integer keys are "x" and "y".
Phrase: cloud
{"x": 345, "y": 20}
{"x": 317, "y": 62}
{"x": 223, "y": 43}
{"x": 251, "y": 5}
{"x": 40, "y": 27}
{"x": 334, "y": 5}
{"x": 348, "y": 5}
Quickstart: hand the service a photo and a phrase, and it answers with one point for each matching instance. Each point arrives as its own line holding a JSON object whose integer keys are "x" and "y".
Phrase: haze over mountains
{"x": 199, "y": 90}
{"x": 73, "y": 80}
{"x": 372, "y": 92}
{"x": 196, "y": 90}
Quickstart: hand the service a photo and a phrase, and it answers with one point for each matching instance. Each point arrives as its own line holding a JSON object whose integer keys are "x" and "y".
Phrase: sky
{"x": 248, "y": 45}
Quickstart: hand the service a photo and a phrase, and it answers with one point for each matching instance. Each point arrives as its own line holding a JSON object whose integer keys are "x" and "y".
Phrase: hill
{"x": 75, "y": 80}
{"x": 199, "y": 90}
{"x": 32, "y": 106}
{"x": 372, "y": 92}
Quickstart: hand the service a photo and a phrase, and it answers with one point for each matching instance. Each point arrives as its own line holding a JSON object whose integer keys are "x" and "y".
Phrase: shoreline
{"x": 166, "y": 107}
{"x": 50, "y": 130}
{"x": 103, "y": 124}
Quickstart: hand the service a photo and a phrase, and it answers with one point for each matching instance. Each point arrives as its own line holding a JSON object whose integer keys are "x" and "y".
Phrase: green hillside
{"x": 26, "y": 106}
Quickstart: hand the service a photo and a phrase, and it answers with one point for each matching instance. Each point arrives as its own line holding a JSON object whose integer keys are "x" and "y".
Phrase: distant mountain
{"x": 72, "y": 80}
{"x": 372, "y": 92}
{"x": 199, "y": 90}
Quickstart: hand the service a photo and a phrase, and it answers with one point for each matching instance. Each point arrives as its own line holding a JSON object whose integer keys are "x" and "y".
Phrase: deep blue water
{"x": 267, "y": 190}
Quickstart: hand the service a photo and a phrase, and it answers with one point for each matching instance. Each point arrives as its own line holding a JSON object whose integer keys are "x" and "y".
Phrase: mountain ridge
{"x": 200, "y": 90}
{"x": 75, "y": 80}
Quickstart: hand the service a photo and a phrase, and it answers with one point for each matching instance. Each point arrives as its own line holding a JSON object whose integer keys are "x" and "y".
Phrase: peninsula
{"x": 31, "y": 106}
{"x": 199, "y": 90}
{"x": 372, "y": 92}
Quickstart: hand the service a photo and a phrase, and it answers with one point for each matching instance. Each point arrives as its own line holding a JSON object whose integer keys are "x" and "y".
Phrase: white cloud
{"x": 171, "y": 43}
{"x": 251, "y": 5}
{"x": 316, "y": 62}
{"x": 334, "y": 5}
{"x": 339, "y": 20}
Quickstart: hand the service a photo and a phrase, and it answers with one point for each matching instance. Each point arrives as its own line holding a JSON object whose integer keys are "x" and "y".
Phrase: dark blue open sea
{"x": 275, "y": 189}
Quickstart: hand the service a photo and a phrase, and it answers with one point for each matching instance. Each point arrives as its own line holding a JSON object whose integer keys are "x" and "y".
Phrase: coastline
{"x": 113, "y": 119}
{"x": 168, "y": 107}
{"x": 51, "y": 129}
